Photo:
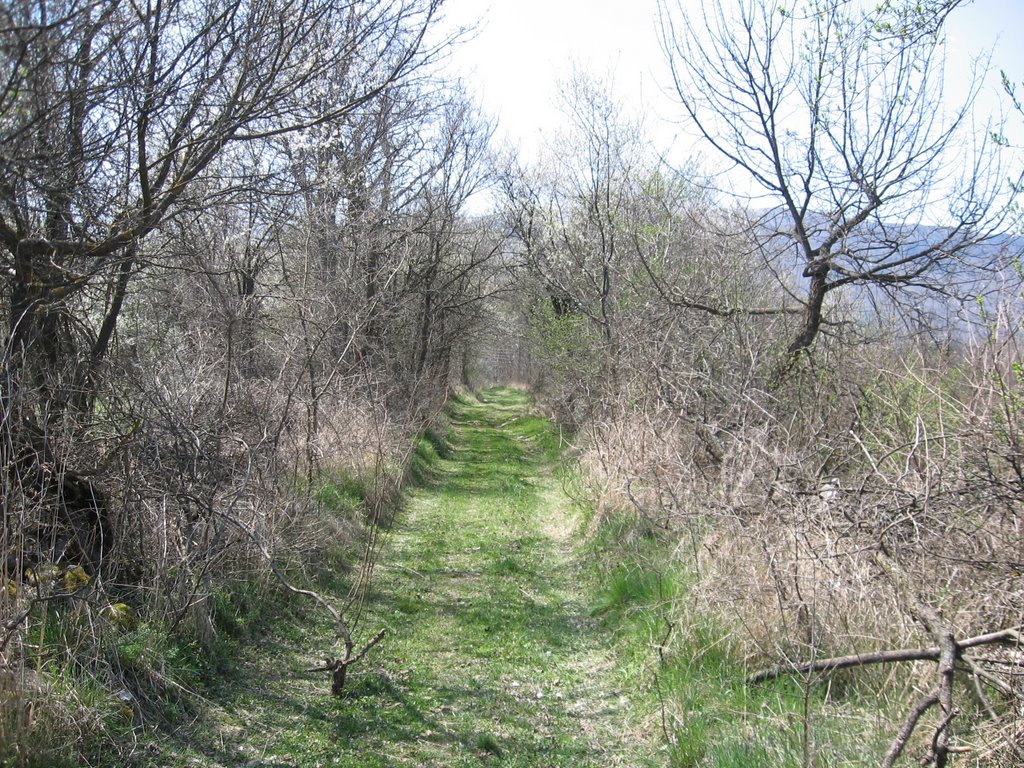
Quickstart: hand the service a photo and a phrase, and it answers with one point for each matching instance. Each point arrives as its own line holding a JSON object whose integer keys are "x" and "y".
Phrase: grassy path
{"x": 491, "y": 656}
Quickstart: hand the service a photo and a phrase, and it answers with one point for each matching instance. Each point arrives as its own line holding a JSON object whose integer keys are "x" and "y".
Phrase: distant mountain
{"x": 933, "y": 279}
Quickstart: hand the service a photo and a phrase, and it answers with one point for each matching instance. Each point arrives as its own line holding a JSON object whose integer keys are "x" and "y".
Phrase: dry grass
{"x": 781, "y": 502}
{"x": 200, "y": 497}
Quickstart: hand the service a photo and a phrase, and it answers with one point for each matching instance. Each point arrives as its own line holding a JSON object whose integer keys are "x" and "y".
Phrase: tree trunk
{"x": 812, "y": 315}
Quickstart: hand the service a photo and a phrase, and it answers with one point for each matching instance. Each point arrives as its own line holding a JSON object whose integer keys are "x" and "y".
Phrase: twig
{"x": 949, "y": 652}
{"x": 662, "y": 663}
{"x": 339, "y": 667}
{"x": 900, "y": 742}
{"x": 976, "y": 675}
{"x": 11, "y": 626}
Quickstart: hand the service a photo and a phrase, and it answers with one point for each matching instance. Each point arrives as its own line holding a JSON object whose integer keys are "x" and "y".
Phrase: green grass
{"x": 493, "y": 655}
{"x": 712, "y": 717}
{"x": 510, "y": 642}
{"x": 340, "y": 493}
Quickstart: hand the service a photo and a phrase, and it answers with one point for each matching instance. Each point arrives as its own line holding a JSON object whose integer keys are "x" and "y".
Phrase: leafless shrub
{"x": 784, "y": 499}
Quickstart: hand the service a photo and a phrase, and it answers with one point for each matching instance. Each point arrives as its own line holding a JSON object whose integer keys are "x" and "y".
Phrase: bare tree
{"x": 837, "y": 115}
{"x": 112, "y": 115}
{"x": 447, "y": 272}
{"x": 574, "y": 218}
{"x": 119, "y": 108}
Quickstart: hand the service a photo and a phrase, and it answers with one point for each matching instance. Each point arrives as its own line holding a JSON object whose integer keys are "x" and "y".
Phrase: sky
{"x": 522, "y": 48}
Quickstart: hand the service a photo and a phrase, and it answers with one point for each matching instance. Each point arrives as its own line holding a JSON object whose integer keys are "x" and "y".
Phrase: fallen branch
{"x": 900, "y": 742}
{"x": 947, "y": 653}
{"x": 1011, "y": 635}
{"x": 844, "y": 662}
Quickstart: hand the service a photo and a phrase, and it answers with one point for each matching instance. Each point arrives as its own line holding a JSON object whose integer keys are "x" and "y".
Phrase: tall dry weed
{"x": 787, "y": 497}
